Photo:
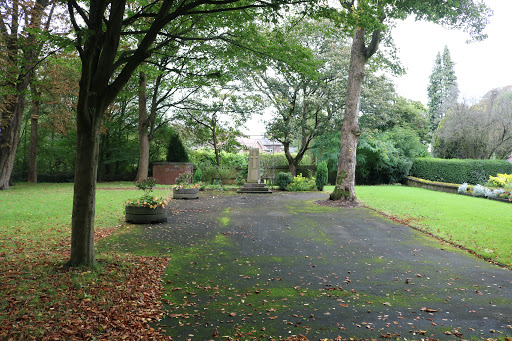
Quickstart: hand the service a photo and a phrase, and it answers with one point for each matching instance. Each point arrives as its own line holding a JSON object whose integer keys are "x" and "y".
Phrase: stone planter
{"x": 145, "y": 215}
{"x": 185, "y": 193}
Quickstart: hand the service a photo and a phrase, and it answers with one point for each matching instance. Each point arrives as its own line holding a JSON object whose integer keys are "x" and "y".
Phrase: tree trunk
{"x": 291, "y": 165}
{"x": 350, "y": 132}
{"x": 10, "y": 119}
{"x": 84, "y": 198}
{"x": 142, "y": 172}
{"x": 215, "y": 141}
{"x": 34, "y": 139}
{"x": 10, "y": 136}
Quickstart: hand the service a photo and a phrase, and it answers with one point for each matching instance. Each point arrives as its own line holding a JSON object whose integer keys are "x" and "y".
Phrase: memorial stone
{"x": 253, "y": 184}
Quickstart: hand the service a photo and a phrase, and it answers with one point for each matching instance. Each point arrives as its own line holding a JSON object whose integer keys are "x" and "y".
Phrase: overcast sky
{"x": 479, "y": 67}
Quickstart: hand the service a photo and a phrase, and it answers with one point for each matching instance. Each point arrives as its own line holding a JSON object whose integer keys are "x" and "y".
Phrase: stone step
{"x": 254, "y": 188}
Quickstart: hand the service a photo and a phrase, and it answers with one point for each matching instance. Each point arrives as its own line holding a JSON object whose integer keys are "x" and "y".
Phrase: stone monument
{"x": 253, "y": 174}
{"x": 253, "y": 184}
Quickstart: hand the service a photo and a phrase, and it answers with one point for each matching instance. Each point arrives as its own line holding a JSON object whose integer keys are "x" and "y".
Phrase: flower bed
{"x": 480, "y": 191}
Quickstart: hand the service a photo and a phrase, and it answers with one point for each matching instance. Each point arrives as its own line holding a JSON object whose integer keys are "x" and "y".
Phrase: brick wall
{"x": 166, "y": 173}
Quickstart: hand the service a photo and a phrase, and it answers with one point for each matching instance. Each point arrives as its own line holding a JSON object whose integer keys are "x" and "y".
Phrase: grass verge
{"x": 479, "y": 225}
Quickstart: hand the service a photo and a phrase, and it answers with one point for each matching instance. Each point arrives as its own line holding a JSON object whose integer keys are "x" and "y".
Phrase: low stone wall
{"x": 432, "y": 185}
{"x": 165, "y": 173}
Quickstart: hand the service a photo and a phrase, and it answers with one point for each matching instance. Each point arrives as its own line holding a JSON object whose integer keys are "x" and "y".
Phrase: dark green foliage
{"x": 176, "y": 151}
{"x": 198, "y": 175}
{"x": 442, "y": 90}
{"x": 321, "y": 175}
{"x": 211, "y": 173}
{"x": 207, "y": 157}
{"x": 240, "y": 179}
{"x": 379, "y": 161}
{"x": 283, "y": 180}
{"x": 407, "y": 140}
{"x": 458, "y": 171}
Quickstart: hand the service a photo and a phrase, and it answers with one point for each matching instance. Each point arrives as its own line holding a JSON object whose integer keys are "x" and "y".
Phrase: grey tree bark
{"x": 350, "y": 132}
{"x": 142, "y": 171}
{"x": 34, "y": 137}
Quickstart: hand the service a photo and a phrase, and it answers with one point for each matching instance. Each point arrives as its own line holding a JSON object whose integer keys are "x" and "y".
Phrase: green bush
{"x": 379, "y": 161}
{"x": 321, "y": 175}
{"x": 176, "y": 151}
{"x": 240, "y": 179}
{"x": 224, "y": 173}
{"x": 301, "y": 183}
{"x": 501, "y": 180}
{"x": 283, "y": 180}
{"x": 212, "y": 172}
{"x": 458, "y": 171}
{"x": 207, "y": 156}
{"x": 198, "y": 175}
{"x": 209, "y": 173}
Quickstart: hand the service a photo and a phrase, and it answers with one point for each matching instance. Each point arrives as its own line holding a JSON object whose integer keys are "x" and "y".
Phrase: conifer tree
{"x": 442, "y": 90}
{"x": 176, "y": 151}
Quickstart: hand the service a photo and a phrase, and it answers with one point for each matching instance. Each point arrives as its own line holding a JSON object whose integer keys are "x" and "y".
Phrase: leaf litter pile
{"x": 42, "y": 300}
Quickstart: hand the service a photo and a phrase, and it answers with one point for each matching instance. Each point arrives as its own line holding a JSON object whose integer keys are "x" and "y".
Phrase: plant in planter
{"x": 147, "y": 209}
{"x": 184, "y": 188}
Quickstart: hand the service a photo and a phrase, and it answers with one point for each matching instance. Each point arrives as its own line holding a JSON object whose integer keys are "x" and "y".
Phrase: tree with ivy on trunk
{"x": 367, "y": 21}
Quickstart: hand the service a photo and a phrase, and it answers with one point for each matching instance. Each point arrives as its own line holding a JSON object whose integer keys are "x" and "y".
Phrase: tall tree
{"x": 215, "y": 117}
{"x": 442, "y": 89}
{"x": 479, "y": 131}
{"x": 108, "y": 63}
{"x": 300, "y": 80}
{"x": 175, "y": 73}
{"x": 20, "y": 25}
{"x": 366, "y": 21}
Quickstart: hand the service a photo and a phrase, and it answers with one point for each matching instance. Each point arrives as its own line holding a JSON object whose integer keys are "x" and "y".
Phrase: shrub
{"x": 209, "y": 173}
{"x": 198, "y": 175}
{"x": 496, "y": 193}
{"x": 301, "y": 183}
{"x": 463, "y": 188}
{"x": 501, "y": 180}
{"x": 176, "y": 151}
{"x": 225, "y": 173}
{"x": 283, "y": 180}
{"x": 240, "y": 179}
{"x": 321, "y": 175}
{"x": 481, "y": 191}
{"x": 207, "y": 156}
{"x": 458, "y": 171}
{"x": 379, "y": 161}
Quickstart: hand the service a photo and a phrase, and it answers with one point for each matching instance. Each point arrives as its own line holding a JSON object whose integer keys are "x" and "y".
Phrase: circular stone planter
{"x": 185, "y": 193}
{"x": 145, "y": 215}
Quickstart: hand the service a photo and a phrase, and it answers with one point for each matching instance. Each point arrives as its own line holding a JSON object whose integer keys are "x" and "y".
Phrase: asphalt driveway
{"x": 274, "y": 266}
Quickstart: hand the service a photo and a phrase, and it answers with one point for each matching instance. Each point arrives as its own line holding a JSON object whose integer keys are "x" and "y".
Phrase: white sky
{"x": 479, "y": 66}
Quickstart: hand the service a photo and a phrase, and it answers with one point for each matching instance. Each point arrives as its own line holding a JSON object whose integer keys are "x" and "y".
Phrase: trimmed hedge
{"x": 458, "y": 171}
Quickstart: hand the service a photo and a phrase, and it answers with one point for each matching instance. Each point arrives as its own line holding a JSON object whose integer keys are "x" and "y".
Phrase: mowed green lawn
{"x": 40, "y": 214}
{"x": 481, "y": 225}
{"x": 36, "y": 214}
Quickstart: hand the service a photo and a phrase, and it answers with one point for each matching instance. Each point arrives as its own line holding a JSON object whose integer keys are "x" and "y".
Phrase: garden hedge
{"x": 458, "y": 171}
